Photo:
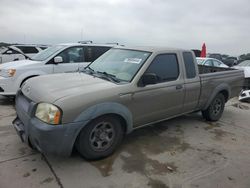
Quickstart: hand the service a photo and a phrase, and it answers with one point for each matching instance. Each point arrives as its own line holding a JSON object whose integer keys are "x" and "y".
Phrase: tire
{"x": 100, "y": 138}
{"x": 215, "y": 109}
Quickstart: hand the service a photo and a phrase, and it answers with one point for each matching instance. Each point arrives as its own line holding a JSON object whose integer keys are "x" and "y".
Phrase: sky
{"x": 222, "y": 24}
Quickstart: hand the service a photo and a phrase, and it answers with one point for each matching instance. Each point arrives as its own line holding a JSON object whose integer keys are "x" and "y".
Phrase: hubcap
{"x": 102, "y": 136}
{"x": 217, "y": 106}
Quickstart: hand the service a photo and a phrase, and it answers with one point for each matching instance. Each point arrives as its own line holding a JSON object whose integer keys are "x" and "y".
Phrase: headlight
{"x": 48, "y": 113}
{"x": 11, "y": 72}
{"x": 8, "y": 72}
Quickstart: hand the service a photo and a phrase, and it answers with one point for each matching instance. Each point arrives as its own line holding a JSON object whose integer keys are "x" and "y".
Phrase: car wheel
{"x": 215, "y": 109}
{"x": 100, "y": 138}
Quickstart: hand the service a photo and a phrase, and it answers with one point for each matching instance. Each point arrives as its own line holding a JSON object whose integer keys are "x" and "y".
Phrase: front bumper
{"x": 7, "y": 86}
{"x": 47, "y": 139}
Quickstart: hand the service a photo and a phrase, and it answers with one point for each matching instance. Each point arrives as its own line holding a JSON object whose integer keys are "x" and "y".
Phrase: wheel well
{"x": 225, "y": 94}
{"x": 27, "y": 79}
{"x": 122, "y": 120}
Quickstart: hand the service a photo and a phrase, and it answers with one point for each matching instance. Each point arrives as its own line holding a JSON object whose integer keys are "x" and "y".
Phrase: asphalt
{"x": 180, "y": 153}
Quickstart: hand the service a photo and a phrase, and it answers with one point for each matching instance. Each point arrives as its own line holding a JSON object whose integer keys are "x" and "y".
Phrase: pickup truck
{"x": 124, "y": 89}
{"x": 70, "y": 57}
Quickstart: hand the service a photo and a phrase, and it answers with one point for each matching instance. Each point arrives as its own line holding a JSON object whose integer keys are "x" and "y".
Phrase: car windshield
{"x": 245, "y": 63}
{"x": 200, "y": 61}
{"x": 121, "y": 64}
{"x": 45, "y": 54}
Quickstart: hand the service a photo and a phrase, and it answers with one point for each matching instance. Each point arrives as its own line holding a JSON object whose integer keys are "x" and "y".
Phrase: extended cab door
{"x": 71, "y": 58}
{"x": 191, "y": 83}
{"x": 163, "y": 99}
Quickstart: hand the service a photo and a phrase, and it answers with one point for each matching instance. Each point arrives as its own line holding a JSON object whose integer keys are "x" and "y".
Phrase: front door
{"x": 71, "y": 58}
{"x": 161, "y": 100}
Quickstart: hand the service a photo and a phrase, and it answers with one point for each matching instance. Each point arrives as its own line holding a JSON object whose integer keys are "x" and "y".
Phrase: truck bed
{"x": 214, "y": 77}
{"x": 209, "y": 69}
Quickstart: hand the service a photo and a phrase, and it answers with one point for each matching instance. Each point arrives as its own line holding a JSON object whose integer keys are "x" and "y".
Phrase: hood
{"x": 246, "y": 70}
{"x": 18, "y": 64}
{"x": 50, "y": 88}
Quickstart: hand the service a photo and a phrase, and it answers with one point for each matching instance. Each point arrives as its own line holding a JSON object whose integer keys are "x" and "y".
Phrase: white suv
{"x": 19, "y": 52}
{"x": 61, "y": 58}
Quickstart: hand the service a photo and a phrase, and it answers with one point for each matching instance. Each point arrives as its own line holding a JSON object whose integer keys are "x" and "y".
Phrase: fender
{"x": 28, "y": 74}
{"x": 218, "y": 89}
{"x": 107, "y": 108}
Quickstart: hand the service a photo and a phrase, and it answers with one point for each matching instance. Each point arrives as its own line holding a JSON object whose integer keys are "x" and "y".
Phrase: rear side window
{"x": 165, "y": 66}
{"x": 28, "y": 49}
{"x": 189, "y": 64}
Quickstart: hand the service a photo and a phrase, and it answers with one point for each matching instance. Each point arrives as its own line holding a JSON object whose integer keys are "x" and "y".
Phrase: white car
{"x": 210, "y": 62}
{"x": 60, "y": 58}
{"x": 244, "y": 65}
{"x": 19, "y": 52}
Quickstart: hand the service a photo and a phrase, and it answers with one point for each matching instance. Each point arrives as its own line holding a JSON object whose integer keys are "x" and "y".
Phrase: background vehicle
{"x": 56, "y": 59}
{"x": 124, "y": 89}
{"x": 226, "y": 59}
{"x": 19, "y": 52}
{"x": 245, "y": 65}
{"x": 210, "y": 62}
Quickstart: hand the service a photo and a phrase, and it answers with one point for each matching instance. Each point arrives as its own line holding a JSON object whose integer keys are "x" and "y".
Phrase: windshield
{"x": 120, "y": 63}
{"x": 245, "y": 63}
{"x": 200, "y": 61}
{"x": 45, "y": 54}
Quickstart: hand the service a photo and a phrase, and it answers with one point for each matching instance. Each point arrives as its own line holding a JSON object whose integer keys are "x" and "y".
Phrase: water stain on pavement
{"x": 156, "y": 184}
{"x": 219, "y": 134}
{"x": 138, "y": 146}
{"x": 212, "y": 125}
{"x": 241, "y": 106}
{"x": 47, "y": 180}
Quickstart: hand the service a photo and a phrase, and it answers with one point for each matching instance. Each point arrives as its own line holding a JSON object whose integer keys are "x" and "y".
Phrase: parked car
{"x": 124, "y": 89}
{"x": 19, "y": 52}
{"x": 56, "y": 59}
{"x": 210, "y": 62}
{"x": 245, "y": 65}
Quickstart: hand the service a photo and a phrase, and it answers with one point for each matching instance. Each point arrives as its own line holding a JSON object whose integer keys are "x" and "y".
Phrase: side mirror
{"x": 58, "y": 59}
{"x": 149, "y": 78}
{"x": 9, "y": 52}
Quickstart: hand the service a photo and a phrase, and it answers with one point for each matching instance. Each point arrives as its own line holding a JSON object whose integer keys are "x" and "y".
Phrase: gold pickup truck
{"x": 124, "y": 89}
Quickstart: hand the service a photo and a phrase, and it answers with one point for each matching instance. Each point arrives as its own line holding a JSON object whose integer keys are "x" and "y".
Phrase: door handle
{"x": 179, "y": 87}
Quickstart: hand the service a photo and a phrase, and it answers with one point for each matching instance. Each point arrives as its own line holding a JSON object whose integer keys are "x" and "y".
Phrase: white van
{"x": 55, "y": 59}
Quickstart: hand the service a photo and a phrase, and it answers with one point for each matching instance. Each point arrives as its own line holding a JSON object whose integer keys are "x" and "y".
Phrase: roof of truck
{"x": 150, "y": 48}
{"x": 87, "y": 44}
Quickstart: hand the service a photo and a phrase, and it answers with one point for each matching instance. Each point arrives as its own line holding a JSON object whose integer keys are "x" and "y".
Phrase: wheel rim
{"x": 217, "y": 107}
{"x": 102, "y": 136}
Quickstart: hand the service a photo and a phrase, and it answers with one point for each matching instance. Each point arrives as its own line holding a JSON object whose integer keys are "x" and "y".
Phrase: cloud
{"x": 223, "y": 25}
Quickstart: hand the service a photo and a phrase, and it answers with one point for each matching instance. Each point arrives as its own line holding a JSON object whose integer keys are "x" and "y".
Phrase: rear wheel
{"x": 100, "y": 138}
{"x": 215, "y": 109}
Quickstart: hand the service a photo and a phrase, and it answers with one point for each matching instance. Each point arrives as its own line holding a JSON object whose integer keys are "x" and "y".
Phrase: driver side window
{"x": 165, "y": 67}
{"x": 72, "y": 55}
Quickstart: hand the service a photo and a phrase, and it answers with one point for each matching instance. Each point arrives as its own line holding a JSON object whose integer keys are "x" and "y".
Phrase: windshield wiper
{"x": 89, "y": 68}
{"x": 111, "y": 77}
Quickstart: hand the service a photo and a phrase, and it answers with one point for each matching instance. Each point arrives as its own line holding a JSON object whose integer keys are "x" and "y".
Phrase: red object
{"x": 203, "y": 50}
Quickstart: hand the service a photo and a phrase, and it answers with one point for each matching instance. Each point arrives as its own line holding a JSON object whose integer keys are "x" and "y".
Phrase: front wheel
{"x": 215, "y": 109}
{"x": 100, "y": 138}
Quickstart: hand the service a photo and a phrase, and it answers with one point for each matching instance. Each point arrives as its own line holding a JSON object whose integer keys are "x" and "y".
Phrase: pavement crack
{"x": 53, "y": 171}
{"x": 12, "y": 159}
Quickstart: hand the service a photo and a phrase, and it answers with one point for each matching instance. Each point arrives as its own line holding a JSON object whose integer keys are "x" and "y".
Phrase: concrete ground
{"x": 183, "y": 152}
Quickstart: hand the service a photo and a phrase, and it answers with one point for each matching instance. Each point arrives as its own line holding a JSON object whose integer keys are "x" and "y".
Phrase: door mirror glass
{"x": 149, "y": 78}
{"x": 9, "y": 52}
{"x": 58, "y": 59}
